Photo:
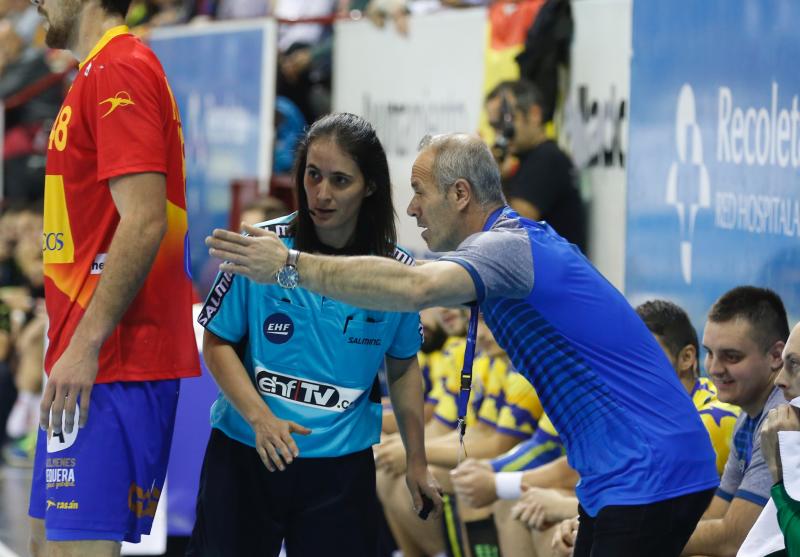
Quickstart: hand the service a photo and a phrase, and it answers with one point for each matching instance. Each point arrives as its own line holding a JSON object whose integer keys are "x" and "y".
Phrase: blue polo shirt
{"x": 314, "y": 360}
{"x": 628, "y": 425}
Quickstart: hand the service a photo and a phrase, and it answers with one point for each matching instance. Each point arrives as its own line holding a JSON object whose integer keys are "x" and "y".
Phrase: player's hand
{"x": 391, "y": 456}
{"x": 71, "y": 378}
{"x": 540, "y": 508}
{"x": 783, "y": 418}
{"x": 474, "y": 482}
{"x": 421, "y": 483}
{"x": 257, "y": 256}
{"x": 564, "y": 537}
{"x": 274, "y": 442}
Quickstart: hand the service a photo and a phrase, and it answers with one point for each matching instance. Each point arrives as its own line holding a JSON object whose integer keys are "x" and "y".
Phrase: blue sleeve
{"x": 224, "y": 311}
{"x": 407, "y": 338}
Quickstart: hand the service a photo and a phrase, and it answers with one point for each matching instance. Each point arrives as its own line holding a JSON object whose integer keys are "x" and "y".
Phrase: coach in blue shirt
{"x": 646, "y": 463}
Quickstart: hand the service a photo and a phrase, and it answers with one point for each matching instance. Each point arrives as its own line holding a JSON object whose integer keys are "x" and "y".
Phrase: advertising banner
{"x": 595, "y": 124}
{"x": 409, "y": 86}
{"x": 223, "y": 78}
{"x": 713, "y": 189}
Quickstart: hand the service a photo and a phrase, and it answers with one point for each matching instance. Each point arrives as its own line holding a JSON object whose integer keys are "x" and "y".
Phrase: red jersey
{"x": 118, "y": 118}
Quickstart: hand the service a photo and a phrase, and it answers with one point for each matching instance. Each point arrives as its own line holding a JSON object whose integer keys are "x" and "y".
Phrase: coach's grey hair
{"x": 457, "y": 156}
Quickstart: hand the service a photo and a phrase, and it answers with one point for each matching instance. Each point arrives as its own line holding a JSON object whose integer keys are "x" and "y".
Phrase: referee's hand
{"x": 422, "y": 485}
{"x": 274, "y": 442}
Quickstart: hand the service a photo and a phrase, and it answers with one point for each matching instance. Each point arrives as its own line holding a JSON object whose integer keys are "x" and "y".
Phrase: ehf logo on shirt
{"x": 278, "y": 328}
{"x": 298, "y": 390}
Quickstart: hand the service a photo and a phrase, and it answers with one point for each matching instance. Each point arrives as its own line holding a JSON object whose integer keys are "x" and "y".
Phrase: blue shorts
{"x": 103, "y": 482}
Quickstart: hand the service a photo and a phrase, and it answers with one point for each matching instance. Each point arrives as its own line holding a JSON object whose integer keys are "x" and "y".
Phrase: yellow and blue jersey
{"x": 718, "y": 417}
{"x": 510, "y": 403}
{"x": 437, "y": 366}
{"x": 447, "y": 400}
{"x": 543, "y": 446}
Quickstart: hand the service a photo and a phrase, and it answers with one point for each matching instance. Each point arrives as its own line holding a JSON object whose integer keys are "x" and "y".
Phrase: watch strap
{"x": 292, "y": 257}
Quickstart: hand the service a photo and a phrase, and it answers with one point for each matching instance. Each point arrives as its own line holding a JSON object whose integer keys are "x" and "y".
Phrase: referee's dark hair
{"x": 670, "y": 322}
{"x": 116, "y": 7}
{"x": 761, "y": 307}
{"x": 375, "y": 231}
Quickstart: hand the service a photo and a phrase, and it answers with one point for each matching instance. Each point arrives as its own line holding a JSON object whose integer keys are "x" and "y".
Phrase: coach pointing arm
{"x": 449, "y": 207}
{"x": 368, "y": 282}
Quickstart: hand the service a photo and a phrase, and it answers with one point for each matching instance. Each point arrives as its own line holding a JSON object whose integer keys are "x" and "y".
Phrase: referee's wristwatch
{"x": 288, "y": 276}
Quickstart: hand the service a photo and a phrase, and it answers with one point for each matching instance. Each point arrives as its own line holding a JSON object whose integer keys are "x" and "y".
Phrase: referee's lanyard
{"x": 466, "y": 378}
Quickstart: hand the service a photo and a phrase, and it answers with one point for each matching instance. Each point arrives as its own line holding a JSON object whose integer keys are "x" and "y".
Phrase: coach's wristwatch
{"x": 287, "y": 276}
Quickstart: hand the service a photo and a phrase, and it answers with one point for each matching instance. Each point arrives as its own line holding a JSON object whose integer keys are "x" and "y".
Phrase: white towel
{"x": 765, "y": 536}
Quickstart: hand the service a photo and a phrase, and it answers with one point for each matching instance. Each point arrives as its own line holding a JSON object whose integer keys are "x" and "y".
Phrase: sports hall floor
{"x": 14, "y": 489}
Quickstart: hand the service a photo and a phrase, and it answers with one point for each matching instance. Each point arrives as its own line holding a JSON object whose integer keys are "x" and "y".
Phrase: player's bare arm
{"x": 140, "y": 200}
{"x": 557, "y": 474}
{"x": 368, "y": 282}
{"x": 722, "y": 537}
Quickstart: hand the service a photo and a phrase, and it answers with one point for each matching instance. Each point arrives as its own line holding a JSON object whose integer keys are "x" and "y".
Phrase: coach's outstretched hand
{"x": 72, "y": 377}
{"x": 257, "y": 256}
{"x": 421, "y": 483}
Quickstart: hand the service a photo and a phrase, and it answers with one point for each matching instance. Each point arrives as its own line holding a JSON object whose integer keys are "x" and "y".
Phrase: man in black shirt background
{"x": 544, "y": 185}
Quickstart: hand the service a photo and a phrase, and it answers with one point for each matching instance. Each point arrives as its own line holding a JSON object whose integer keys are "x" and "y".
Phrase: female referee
{"x": 290, "y": 454}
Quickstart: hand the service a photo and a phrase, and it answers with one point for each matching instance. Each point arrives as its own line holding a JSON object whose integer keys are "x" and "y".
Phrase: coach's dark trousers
{"x": 659, "y": 529}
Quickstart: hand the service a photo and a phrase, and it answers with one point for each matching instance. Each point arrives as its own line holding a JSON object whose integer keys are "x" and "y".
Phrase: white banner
{"x": 407, "y": 86}
{"x": 595, "y": 127}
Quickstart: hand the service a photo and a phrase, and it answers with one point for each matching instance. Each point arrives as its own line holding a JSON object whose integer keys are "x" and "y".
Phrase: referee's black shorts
{"x": 320, "y": 506}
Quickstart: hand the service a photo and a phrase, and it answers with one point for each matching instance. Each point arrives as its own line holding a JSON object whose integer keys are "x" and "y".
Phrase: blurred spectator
{"x": 23, "y": 16}
{"x": 241, "y": 9}
{"x": 546, "y": 57}
{"x": 10, "y": 275}
{"x": 305, "y": 54}
{"x": 8, "y": 391}
{"x": 144, "y": 14}
{"x": 26, "y": 125}
{"x": 544, "y": 185}
{"x": 289, "y": 129}
{"x": 23, "y": 320}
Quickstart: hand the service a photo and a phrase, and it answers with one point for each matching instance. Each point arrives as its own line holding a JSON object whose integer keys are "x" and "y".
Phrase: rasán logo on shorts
{"x": 303, "y": 391}
{"x": 278, "y": 328}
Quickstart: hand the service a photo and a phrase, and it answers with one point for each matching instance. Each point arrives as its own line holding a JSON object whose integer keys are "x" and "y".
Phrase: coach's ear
{"x": 461, "y": 191}
{"x": 370, "y": 189}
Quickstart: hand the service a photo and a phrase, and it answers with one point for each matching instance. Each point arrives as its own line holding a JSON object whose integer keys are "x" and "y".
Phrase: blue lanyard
{"x": 466, "y": 372}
